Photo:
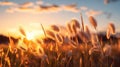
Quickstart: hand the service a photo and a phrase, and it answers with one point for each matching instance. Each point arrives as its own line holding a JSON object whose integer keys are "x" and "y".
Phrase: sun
{"x": 34, "y": 34}
{"x": 30, "y": 35}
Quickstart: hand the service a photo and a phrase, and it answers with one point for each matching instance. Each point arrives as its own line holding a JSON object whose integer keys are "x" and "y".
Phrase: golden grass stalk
{"x": 22, "y": 31}
{"x": 110, "y": 30}
{"x": 50, "y": 34}
{"x": 107, "y": 50}
{"x": 75, "y": 23}
{"x": 74, "y": 30}
{"x": 59, "y": 38}
{"x": 82, "y": 21}
{"x": 69, "y": 28}
{"x": 12, "y": 46}
{"x": 108, "y": 34}
{"x": 87, "y": 31}
{"x": 43, "y": 30}
{"x": 94, "y": 39}
{"x": 55, "y": 28}
{"x": 84, "y": 37}
{"x": 81, "y": 62}
{"x": 93, "y": 21}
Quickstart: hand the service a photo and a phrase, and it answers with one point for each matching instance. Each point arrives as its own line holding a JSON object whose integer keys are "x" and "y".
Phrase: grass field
{"x": 77, "y": 46}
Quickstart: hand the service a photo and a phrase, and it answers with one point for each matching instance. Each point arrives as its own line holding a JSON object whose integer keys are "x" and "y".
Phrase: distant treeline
{"x": 5, "y": 40}
{"x": 102, "y": 37}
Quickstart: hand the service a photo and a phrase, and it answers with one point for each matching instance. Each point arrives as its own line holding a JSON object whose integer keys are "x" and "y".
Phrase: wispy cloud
{"x": 46, "y": 8}
{"x": 39, "y": 2}
{"x": 109, "y": 1}
{"x": 40, "y": 8}
{"x": 71, "y": 7}
{"x": 93, "y": 13}
{"x": 7, "y": 3}
{"x": 27, "y": 4}
{"x": 84, "y": 8}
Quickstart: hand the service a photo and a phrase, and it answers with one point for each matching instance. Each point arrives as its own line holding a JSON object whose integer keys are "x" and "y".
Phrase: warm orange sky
{"x": 31, "y": 13}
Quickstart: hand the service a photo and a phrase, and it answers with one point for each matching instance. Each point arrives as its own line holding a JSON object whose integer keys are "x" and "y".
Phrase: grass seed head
{"x": 74, "y": 29}
{"x": 93, "y": 21}
{"x": 83, "y": 36}
{"x": 108, "y": 34}
{"x": 110, "y": 30}
{"x": 87, "y": 31}
{"x": 82, "y": 21}
{"x": 75, "y": 23}
{"x": 69, "y": 27}
{"x": 94, "y": 39}
{"x": 50, "y": 34}
{"x": 22, "y": 31}
{"x": 55, "y": 28}
{"x": 59, "y": 38}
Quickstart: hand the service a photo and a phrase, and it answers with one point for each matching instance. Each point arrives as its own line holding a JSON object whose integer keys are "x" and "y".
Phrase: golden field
{"x": 71, "y": 46}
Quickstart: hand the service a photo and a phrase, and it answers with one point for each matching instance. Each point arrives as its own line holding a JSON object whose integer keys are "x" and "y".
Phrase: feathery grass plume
{"x": 108, "y": 34}
{"x": 69, "y": 27}
{"x": 59, "y": 38}
{"x": 73, "y": 26}
{"x": 110, "y": 30}
{"x": 22, "y": 31}
{"x": 94, "y": 39}
{"x": 87, "y": 31}
{"x": 95, "y": 56}
{"x": 82, "y": 21}
{"x": 50, "y": 34}
{"x": 74, "y": 30}
{"x": 55, "y": 28}
{"x": 75, "y": 23}
{"x": 107, "y": 50}
{"x": 93, "y": 21}
{"x": 83, "y": 36}
{"x": 12, "y": 46}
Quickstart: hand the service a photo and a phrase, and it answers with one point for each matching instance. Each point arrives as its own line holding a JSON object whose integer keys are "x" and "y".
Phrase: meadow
{"x": 71, "y": 46}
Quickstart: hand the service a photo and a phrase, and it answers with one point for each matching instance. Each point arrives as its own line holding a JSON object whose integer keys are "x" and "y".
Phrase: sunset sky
{"x": 31, "y": 13}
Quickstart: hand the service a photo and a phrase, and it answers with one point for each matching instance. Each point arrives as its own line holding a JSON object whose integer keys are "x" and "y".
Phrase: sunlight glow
{"x": 34, "y": 34}
{"x": 30, "y": 35}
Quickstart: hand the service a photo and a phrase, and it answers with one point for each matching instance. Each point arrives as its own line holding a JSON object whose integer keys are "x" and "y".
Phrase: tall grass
{"x": 57, "y": 50}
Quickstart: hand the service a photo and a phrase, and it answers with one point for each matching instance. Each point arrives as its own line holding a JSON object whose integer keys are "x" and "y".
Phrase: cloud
{"x": 7, "y": 3}
{"x": 38, "y": 7}
{"x": 30, "y": 7}
{"x": 19, "y": 9}
{"x": 84, "y": 8}
{"x": 35, "y": 9}
{"x": 44, "y": 8}
{"x": 27, "y": 4}
{"x": 9, "y": 10}
{"x": 109, "y": 1}
{"x": 39, "y": 2}
{"x": 93, "y": 13}
{"x": 71, "y": 7}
